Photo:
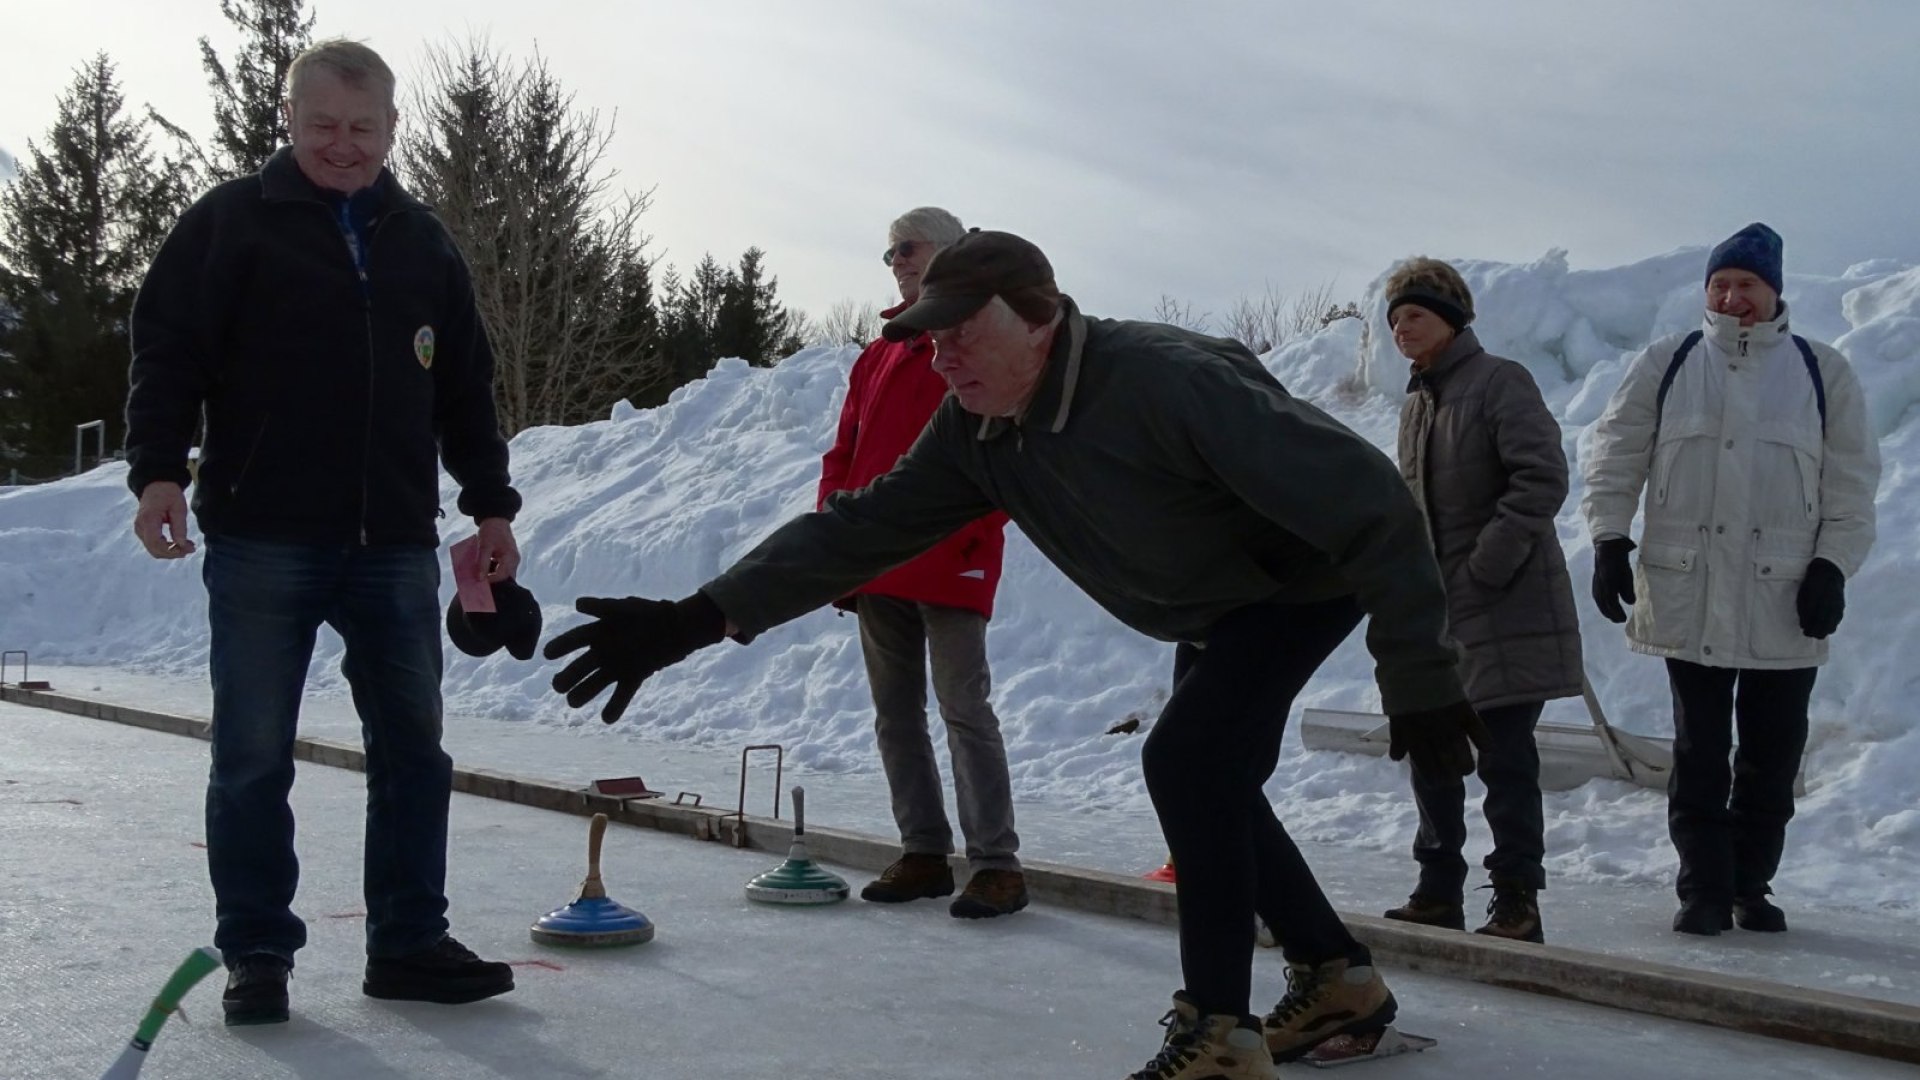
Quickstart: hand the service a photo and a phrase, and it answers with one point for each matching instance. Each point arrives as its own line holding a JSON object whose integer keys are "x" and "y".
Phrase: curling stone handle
{"x": 799, "y": 810}
{"x": 596, "y": 832}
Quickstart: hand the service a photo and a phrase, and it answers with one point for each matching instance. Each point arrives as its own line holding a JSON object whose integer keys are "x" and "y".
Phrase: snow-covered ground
{"x": 656, "y": 502}
{"x": 102, "y": 891}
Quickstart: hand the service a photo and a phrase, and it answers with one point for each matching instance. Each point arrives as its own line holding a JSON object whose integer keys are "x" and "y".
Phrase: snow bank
{"x": 655, "y": 502}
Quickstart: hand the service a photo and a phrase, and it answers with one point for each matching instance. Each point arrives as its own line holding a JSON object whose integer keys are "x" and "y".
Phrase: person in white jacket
{"x": 1759, "y": 465}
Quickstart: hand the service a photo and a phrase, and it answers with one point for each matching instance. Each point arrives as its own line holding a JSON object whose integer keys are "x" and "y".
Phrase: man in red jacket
{"x": 935, "y": 607}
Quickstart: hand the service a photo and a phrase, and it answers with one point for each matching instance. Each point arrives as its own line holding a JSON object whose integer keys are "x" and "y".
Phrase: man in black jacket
{"x": 324, "y": 321}
{"x": 1172, "y": 478}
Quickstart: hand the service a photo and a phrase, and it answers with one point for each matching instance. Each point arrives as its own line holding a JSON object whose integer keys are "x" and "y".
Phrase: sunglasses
{"x": 902, "y": 250}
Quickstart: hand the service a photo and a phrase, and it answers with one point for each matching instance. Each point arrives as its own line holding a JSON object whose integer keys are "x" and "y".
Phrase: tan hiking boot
{"x": 911, "y": 877}
{"x": 1334, "y": 998}
{"x": 1429, "y": 911}
{"x": 1514, "y": 914}
{"x": 1199, "y": 1047}
{"x": 989, "y": 893}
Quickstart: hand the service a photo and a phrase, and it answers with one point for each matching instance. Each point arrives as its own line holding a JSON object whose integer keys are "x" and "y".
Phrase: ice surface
{"x": 1872, "y": 954}
{"x": 104, "y": 890}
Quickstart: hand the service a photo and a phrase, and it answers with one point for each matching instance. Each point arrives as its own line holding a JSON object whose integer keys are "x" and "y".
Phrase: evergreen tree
{"x": 751, "y": 323}
{"x": 690, "y": 311}
{"x": 249, "y": 98}
{"x": 720, "y": 311}
{"x": 78, "y": 227}
{"x": 558, "y": 264}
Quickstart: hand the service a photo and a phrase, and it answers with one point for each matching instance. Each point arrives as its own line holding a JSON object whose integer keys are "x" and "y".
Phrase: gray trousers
{"x": 898, "y": 637}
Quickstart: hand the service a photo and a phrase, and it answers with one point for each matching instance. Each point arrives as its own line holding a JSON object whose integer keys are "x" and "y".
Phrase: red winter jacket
{"x": 891, "y": 393}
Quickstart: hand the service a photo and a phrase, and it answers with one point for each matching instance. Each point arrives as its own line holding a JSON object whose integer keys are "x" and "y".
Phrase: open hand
{"x": 629, "y": 639}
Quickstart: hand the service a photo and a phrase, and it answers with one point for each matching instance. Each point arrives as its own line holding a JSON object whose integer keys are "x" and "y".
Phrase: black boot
{"x": 1758, "y": 913}
{"x": 448, "y": 974}
{"x": 256, "y": 991}
{"x": 1704, "y": 917}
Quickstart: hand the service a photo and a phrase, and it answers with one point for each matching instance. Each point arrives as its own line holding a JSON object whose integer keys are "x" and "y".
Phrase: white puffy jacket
{"x": 1742, "y": 490}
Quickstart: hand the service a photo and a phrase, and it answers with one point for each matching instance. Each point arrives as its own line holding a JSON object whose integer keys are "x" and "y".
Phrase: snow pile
{"x": 655, "y": 502}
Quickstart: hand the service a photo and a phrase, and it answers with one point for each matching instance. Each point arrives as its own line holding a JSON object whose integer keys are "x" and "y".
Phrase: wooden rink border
{"x": 1816, "y": 1017}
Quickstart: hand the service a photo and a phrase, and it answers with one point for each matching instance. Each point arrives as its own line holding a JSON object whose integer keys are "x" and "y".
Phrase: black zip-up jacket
{"x": 329, "y": 387}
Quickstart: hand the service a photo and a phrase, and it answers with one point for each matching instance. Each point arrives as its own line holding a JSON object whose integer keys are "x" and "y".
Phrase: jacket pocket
{"x": 246, "y": 464}
{"x": 1666, "y": 584}
{"x": 1773, "y": 610}
{"x": 1789, "y": 460}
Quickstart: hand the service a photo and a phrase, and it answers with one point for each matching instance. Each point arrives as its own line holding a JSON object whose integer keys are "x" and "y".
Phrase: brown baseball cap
{"x": 968, "y": 273}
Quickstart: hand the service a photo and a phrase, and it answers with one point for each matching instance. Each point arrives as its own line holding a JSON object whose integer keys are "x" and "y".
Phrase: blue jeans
{"x": 265, "y": 603}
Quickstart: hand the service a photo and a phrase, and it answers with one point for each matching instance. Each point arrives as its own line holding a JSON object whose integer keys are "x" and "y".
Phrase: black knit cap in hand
{"x": 513, "y": 624}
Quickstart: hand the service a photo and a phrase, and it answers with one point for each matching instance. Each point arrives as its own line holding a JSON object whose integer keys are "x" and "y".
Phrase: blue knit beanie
{"x": 1756, "y": 249}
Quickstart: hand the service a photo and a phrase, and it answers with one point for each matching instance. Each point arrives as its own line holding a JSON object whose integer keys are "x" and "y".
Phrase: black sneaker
{"x": 447, "y": 974}
{"x": 256, "y": 990}
{"x": 1759, "y": 913}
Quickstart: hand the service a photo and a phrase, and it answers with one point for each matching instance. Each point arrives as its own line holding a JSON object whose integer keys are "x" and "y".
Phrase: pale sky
{"x": 1204, "y": 150}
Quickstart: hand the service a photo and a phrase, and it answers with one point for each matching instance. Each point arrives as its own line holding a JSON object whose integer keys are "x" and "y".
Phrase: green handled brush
{"x": 191, "y": 970}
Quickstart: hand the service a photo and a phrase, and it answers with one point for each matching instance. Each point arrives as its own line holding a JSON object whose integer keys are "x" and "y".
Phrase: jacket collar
{"x": 1464, "y": 344}
{"x": 1052, "y": 400}
{"x": 282, "y": 181}
{"x": 1726, "y": 331}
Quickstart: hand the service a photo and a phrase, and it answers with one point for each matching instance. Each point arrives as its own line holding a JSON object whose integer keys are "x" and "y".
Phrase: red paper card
{"x": 469, "y": 578}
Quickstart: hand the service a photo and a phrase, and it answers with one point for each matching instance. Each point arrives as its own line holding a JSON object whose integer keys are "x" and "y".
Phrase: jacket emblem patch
{"x": 423, "y": 346}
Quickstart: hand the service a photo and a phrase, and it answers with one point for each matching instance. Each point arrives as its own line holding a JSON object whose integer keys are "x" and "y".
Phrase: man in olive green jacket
{"x": 1176, "y": 482}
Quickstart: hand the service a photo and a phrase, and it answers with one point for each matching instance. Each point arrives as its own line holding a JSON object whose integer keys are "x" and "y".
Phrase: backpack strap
{"x": 1673, "y": 368}
{"x": 1686, "y": 346}
{"x": 1819, "y": 384}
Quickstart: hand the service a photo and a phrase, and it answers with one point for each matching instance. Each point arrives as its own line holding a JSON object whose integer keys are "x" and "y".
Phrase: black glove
{"x": 1442, "y": 741}
{"x": 1822, "y": 599}
{"x": 630, "y": 639}
{"x": 1613, "y": 577}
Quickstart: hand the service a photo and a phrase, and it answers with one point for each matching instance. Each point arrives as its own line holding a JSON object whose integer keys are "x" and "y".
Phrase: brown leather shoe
{"x": 911, "y": 877}
{"x": 989, "y": 893}
{"x": 1430, "y": 911}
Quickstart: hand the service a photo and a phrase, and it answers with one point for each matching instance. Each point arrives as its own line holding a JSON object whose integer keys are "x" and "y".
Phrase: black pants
{"x": 1510, "y": 767}
{"x": 1215, "y": 745}
{"x": 1730, "y": 844}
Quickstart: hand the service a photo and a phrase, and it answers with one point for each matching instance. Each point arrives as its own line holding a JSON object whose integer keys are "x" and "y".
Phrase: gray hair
{"x": 929, "y": 223}
{"x": 351, "y": 62}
